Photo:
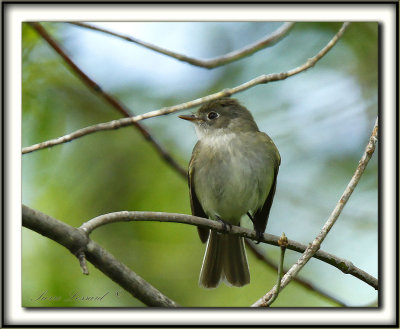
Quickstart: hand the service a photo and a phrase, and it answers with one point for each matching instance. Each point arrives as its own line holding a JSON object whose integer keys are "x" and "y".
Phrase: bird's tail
{"x": 225, "y": 257}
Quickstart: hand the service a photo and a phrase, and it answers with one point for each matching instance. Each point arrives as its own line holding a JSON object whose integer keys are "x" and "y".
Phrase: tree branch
{"x": 248, "y": 50}
{"x": 313, "y": 248}
{"x": 304, "y": 283}
{"x": 76, "y": 241}
{"x": 116, "y": 104}
{"x": 262, "y": 79}
{"x": 125, "y": 216}
{"x": 283, "y": 241}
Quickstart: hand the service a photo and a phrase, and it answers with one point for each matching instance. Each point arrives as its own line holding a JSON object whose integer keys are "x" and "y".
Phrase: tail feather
{"x": 236, "y": 268}
{"x": 211, "y": 270}
{"x": 225, "y": 257}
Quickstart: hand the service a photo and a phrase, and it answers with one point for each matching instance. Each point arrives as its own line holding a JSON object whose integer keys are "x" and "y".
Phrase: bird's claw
{"x": 227, "y": 227}
{"x": 259, "y": 236}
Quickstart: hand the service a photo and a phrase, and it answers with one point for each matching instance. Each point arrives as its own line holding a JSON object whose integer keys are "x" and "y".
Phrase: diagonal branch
{"x": 121, "y": 108}
{"x": 262, "y": 79}
{"x": 77, "y": 242}
{"x": 248, "y": 50}
{"x": 304, "y": 283}
{"x": 313, "y": 248}
{"x": 125, "y": 216}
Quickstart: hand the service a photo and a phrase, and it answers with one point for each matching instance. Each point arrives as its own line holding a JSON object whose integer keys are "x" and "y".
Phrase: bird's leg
{"x": 258, "y": 233}
{"x": 226, "y": 226}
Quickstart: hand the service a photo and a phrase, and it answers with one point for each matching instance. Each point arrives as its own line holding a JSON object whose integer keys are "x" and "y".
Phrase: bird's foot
{"x": 227, "y": 227}
{"x": 259, "y": 236}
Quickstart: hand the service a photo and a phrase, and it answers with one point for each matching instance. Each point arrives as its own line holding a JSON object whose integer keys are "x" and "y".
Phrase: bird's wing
{"x": 262, "y": 214}
{"x": 195, "y": 205}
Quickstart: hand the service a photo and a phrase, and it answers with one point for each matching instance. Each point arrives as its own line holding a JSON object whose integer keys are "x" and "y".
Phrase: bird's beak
{"x": 189, "y": 117}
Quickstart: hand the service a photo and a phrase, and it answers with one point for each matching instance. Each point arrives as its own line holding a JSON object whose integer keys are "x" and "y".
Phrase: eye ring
{"x": 212, "y": 115}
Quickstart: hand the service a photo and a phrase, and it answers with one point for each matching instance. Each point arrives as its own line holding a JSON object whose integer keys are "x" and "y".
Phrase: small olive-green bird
{"x": 232, "y": 172}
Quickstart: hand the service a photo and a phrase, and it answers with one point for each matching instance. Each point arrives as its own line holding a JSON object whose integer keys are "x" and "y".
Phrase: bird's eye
{"x": 213, "y": 115}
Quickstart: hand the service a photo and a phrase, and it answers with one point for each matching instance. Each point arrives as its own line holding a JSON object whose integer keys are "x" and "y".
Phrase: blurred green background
{"x": 320, "y": 120}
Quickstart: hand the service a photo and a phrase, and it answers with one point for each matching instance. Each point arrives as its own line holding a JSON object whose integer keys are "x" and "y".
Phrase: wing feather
{"x": 262, "y": 214}
{"x": 195, "y": 205}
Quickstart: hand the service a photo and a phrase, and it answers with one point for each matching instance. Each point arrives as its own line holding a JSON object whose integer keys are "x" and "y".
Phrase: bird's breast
{"x": 232, "y": 176}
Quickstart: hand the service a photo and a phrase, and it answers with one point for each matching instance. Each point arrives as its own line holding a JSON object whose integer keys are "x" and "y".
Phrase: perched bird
{"x": 232, "y": 172}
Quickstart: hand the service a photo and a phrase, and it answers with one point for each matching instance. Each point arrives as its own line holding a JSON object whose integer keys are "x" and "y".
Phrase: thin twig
{"x": 248, "y": 50}
{"x": 313, "y": 248}
{"x": 344, "y": 265}
{"x": 115, "y": 124}
{"x": 75, "y": 240}
{"x": 283, "y": 241}
{"x": 304, "y": 283}
{"x": 82, "y": 262}
{"x": 118, "y": 105}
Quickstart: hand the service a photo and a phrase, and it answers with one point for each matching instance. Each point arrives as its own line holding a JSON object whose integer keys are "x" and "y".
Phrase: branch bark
{"x": 283, "y": 244}
{"x": 76, "y": 241}
{"x": 304, "y": 283}
{"x": 248, "y": 50}
{"x": 313, "y": 248}
{"x": 262, "y": 79}
{"x": 344, "y": 265}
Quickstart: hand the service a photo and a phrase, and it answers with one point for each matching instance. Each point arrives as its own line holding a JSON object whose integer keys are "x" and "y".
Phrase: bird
{"x": 232, "y": 173}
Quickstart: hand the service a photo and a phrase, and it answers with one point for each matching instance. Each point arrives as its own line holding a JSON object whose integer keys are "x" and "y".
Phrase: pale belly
{"x": 232, "y": 182}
